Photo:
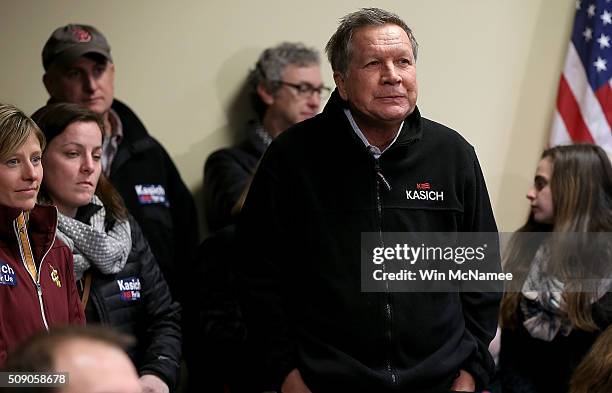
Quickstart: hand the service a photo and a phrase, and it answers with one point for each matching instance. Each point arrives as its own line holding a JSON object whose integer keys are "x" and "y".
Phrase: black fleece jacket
{"x": 315, "y": 192}
{"x": 170, "y": 226}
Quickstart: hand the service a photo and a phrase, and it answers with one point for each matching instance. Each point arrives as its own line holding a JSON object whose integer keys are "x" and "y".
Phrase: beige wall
{"x": 488, "y": 68}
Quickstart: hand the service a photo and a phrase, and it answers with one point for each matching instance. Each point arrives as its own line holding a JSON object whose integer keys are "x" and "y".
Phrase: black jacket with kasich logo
{"x": 315, "y": 192}
{"x": 154, "y": 193}
{"x": 137, "y": 301}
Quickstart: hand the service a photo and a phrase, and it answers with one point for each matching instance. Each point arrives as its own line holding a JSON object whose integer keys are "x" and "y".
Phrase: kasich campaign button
{"x": 7, "y": 274}
{"x": 149, "y": 194}
{"x": 129, "y": 289}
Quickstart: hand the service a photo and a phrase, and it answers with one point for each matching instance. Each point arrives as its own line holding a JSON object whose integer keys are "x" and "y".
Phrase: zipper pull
{"x": 380, "y": 175}
{"x": 38, "y": 288}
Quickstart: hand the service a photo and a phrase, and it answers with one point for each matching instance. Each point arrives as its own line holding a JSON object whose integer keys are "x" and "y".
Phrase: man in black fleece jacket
{"x": 348, "y": 171}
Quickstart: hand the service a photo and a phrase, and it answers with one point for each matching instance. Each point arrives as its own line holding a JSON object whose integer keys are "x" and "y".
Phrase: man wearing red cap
{"x": 79, "y": 69}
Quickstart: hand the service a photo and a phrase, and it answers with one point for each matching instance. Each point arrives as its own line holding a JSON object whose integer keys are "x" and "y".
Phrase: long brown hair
{"x": 594, "y": 373}
{"x": 581, "y": 188}
{"x": 53, "y": 119}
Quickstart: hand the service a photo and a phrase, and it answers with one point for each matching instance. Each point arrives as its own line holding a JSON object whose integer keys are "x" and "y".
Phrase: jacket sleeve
{"x": 265, "y": 242}
{"x": 480, "y": 309}
{"x": 75, "y": 311}
{"x": 224, "y": 182}
{"x": 162, "y": 334}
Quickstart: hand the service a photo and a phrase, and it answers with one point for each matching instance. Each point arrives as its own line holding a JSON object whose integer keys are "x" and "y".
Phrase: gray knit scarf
{"x": 92, "y": 245}
{"x": 542, "y": 302}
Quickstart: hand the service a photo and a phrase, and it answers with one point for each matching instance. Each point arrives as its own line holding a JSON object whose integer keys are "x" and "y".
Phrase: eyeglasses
{"x": 306, "y": 90}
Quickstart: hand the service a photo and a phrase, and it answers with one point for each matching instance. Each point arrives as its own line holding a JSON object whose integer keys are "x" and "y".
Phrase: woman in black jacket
{"x": 119, "y": 280}
{"x": 560, "y": 260}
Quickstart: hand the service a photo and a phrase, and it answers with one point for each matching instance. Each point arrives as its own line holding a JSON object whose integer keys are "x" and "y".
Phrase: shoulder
{"x": 442, "y": 141}
{"x": 441, "y": 133}
{"x": 303, "y": 137}
{"x": 231, "y": 155}
{"x": 134, "y": 130}
{"x": 127, "y": 115}
{"x": 226, "y": 153}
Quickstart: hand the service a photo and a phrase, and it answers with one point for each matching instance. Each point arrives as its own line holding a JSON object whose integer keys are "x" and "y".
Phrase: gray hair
{"x": 271, "y": 64}
{"x": 339, "y": 47}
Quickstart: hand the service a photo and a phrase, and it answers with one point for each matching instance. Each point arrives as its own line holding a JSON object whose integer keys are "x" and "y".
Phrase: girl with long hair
{"x": 560, "y": 260}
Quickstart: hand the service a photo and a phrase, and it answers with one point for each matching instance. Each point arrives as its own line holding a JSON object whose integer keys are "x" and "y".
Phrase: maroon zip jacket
{"x": 27, "y": 307}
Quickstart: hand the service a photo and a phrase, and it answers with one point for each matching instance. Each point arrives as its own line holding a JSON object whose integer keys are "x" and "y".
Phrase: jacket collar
{"x": 42, "y": 224}
{"x": 135, "y": 140}
{"x": 411, "y": 131}
{"x": 256, "y": 139}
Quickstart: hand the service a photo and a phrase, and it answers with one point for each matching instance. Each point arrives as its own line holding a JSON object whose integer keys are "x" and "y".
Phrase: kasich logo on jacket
{"x": 149, "y": 194}
{"x": 129, "y": 288}
{"x": 424, "y": 192}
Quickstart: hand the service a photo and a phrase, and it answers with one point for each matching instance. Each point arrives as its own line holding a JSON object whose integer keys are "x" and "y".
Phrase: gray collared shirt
{"x": 111, "y": 143}
{"x": 376, "y": 152}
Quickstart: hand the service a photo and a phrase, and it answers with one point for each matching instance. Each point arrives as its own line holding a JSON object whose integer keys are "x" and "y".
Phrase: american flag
{"x": 584, "y": 101}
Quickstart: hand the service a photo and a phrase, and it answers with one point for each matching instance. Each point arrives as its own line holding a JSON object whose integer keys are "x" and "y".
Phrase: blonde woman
{"x": 37, "y": 286}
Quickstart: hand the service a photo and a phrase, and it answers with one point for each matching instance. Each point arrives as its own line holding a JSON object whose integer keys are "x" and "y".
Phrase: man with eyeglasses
{"x": 286, "y": 88}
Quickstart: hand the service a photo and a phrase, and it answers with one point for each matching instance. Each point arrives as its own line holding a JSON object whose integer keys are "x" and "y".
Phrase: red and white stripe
{"x": 582, "y": 115}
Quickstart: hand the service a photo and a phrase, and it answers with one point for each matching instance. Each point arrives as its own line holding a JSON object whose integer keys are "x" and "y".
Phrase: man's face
{"x": 380, "y": 82}
{"x": 87, "y": 82}
{"x": 288, "y": 106}
{"x": 95, "y": 367}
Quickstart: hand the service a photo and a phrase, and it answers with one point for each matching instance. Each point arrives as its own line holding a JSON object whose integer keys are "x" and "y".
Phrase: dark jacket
{"x": 156, "y": 196}
{"x": 22, "y": 311}
{"x": 531, "y": 365}
{"x": 214, "y": 327}
{"x": 317, "y": 189}
{"x": 137, "y": 301}
{"x": 227, "y": 173}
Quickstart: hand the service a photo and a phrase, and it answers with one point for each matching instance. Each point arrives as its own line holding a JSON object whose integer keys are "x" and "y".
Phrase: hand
{"x": 464, "y": 382}
{"x": 153, "y": 384}
{"x": 294, "y": 383}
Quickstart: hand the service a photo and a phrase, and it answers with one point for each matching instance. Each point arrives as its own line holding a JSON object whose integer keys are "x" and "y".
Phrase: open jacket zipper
{"x": 35, "y": 280}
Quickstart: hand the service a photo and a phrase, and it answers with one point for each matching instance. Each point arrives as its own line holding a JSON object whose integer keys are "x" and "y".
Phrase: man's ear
{"x": 111, "y": 67}
{"x": 339, "y": 79}
{"x": 48, "y": 82}
{"x": 266, "y": 97}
